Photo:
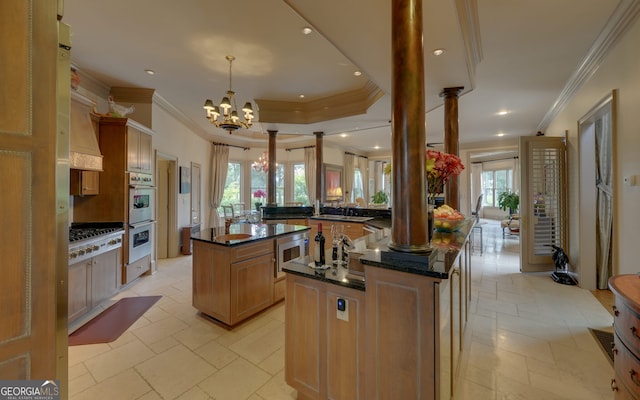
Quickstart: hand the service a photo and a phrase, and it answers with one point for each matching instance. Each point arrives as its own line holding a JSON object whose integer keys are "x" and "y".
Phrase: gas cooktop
{"x": 88, "y": 230}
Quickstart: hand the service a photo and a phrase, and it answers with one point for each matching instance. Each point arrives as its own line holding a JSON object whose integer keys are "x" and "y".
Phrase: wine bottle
{"x": 318, "y": 254}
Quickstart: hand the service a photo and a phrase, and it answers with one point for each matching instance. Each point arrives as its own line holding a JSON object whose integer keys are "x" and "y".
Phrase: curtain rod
{"x": 357, "y": 155}
{"x": 231, "y": 145}
{"x": 298, "y": 148}
{"x": 497, "y": 159}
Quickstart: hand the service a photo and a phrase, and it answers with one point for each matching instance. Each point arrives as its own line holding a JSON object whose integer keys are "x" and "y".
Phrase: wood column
{"x": 271, "y": 175}
{"x": 451, "y": 141}
{"x": 409, "y": 223}
{"x": 319, "y": 174}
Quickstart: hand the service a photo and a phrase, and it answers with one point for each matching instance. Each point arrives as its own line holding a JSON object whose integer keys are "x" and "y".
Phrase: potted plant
{"x": 380, "y": 197}
{"x": 259, "y": 195}
{"x": 509, "y": 200}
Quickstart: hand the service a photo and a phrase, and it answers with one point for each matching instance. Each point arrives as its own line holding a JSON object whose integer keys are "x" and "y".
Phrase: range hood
{"x": 84, "y": 152}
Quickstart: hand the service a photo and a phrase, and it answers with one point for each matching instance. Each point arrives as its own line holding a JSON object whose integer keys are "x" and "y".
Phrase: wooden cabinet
{"x": 319, "y": 365}
{"x": 139, "y": 148}
{"x": 134, "y": 269}
{"x": 403, "y": 338}
{"x": 626, "y": 363}
{"x": 93, "y": 281}
{"x": 83, "y": 183}
{"x": 233, "y": 283}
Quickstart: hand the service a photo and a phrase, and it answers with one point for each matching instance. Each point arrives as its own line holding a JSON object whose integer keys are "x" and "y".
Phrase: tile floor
{"x": 527, "y": 338}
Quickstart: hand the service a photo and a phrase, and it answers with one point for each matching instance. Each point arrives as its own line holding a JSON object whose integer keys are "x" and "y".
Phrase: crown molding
{"x": 617, "y": 25}
{"x": 469, "y": 21}
{"x": 354, "y": 102}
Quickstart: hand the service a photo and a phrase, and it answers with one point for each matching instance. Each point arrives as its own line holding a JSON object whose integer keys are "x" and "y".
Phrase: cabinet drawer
{"x": 627, "y": 325}
{"x": 627, "y": 369}
{"x": 251, "y": 250}
{"x": 135, "y": 269}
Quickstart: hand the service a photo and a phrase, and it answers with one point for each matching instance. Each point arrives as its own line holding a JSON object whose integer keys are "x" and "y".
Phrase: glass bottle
{"x": 318, "y": 256}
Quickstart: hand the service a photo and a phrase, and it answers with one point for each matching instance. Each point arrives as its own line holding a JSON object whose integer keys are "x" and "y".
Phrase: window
{"x": 232, "y": 187}
{"x": 299, "y": 184}
{"x": 259, "y": 181}
{"x": 495, "y": 182}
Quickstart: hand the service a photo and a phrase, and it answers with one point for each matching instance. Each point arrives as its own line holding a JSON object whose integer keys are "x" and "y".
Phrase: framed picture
{"x": 333, "y": 183}
{"x": 185, "y": 180}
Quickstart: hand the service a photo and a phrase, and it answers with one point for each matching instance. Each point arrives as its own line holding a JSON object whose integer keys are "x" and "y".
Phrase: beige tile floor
{"x": 527, "y": 338}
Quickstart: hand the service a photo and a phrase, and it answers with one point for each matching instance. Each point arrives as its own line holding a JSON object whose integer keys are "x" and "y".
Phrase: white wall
{"x": 620, "y": 70}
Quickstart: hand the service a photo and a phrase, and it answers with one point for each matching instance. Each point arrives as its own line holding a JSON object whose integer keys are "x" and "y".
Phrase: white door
{"x": 542, "y": 201}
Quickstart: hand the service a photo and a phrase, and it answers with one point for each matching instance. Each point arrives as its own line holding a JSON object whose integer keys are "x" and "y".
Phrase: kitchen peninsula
{"x": 235, "y": 272}
{"x": 397, "y": 335}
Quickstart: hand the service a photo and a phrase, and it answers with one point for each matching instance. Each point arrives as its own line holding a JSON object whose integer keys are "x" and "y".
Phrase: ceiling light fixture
{"x": 150, "y": 71}
{"x": 306, "y": 30}
{"x": 357, "y": 73}
{"x": 503, "y": 112}
{"x": 438, "y": 52}
{"x": 229, "y": 118}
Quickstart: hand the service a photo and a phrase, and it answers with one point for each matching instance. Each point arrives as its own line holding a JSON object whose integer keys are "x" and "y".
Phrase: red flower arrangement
{"x": 441, "y": 167}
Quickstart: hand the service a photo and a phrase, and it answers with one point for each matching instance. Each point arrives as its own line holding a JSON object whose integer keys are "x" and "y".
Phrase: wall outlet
{"x": 342, "y": 309}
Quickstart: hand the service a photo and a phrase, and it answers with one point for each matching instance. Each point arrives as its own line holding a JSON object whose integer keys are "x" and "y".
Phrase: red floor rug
{"x": 112, "y": 322}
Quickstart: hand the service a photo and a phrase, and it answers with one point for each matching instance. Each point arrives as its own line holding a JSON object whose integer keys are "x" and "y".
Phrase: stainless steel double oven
{"x": 141, "y": 205}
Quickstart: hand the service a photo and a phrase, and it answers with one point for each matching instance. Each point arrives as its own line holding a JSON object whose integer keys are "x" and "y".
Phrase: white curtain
{"x": 363, "y": 166}
{"x": 604, "y": 199}
{"x": 349, "y": 171}
{"x": 219, "y": 167}
{"x": 310, "y": 173}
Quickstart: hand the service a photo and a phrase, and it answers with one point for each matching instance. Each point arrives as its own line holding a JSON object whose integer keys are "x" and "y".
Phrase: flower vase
{"x": 431, "y": 205}
{"x": 258, "y": 205}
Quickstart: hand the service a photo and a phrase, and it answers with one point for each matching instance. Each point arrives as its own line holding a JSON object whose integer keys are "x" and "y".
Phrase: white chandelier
{"x": 229, "y": 119}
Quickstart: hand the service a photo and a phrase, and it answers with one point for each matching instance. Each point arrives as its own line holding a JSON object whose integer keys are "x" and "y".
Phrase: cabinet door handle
{"x": 634, "y": 332}
{"x": 634, "y": 377}
{"x": 615, "y": 311}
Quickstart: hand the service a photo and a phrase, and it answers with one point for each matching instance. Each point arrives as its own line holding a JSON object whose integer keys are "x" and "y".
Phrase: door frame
{"x": 586, "y": 191}
{"x": 173, "y": 245}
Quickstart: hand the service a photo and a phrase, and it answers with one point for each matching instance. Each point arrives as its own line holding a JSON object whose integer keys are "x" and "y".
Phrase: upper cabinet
{"x": 139, "y": 148}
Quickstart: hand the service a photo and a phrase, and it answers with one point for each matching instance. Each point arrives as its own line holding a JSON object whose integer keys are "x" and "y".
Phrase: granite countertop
{"x": 345, "y": 218}
{"x": 337, "y": 275}
{"x": 373, "y": 250}
{"x": 255, "y": 232}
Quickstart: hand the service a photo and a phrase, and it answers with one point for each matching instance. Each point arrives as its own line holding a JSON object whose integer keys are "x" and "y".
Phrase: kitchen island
{"x": 396, "y": 334}
{"x": 235, "y": 272}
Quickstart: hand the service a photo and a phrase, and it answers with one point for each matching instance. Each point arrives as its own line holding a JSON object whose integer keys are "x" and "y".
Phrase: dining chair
{"x": 477, "y": 226}
{"x": 228, "y": 212}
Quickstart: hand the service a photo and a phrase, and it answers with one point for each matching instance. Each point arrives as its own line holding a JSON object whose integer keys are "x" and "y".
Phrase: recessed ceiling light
{"x": 306, "y": 30}
{"x": 376, "y": 147}
{"x": 503, "y": 112}
{"x": 301, "y": 96}
{"x": 438, "y": 52}
{"x": 357, "y": 73}
{"x": 500, "y": 134}
{"x": 343, "y": 135}
{"x": 150, "y": 71}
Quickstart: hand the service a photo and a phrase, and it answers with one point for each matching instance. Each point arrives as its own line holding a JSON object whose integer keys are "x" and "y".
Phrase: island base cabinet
{"x": 324, "y": 356}
{"x": 232, "y": 284}
{"x": 401, "y": 333}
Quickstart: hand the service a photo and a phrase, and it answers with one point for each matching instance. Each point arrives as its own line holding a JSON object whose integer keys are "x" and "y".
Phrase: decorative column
{"x": 451, "y": 141}
{"x": 409, "y": 223}
{"x": 319, "y": 174}
{"x": 271, "y": 175}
